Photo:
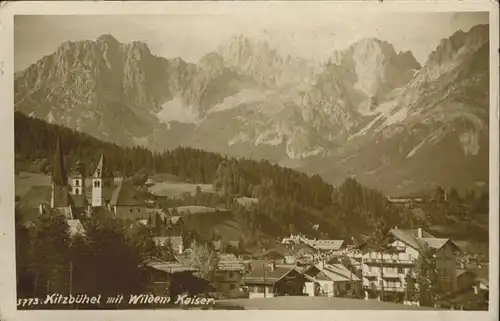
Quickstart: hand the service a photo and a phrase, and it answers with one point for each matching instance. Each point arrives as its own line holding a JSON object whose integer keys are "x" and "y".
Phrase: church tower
{"x": 101, "y": 184}
{"x": 77, "y": 181}
{"x": 60, "y": 198}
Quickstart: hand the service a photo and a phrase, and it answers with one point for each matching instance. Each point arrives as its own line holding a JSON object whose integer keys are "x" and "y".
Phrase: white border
{"x": 7, "y": 259}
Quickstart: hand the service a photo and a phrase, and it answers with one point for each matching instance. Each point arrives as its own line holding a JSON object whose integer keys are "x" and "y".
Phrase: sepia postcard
{"x": 319, "y": 159}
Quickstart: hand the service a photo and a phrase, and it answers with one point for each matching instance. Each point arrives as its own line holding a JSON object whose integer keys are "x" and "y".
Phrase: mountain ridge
{"x": 246, "y": 98}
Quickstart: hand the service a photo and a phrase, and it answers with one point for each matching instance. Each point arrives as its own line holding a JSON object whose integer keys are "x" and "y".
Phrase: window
{"x": 97, "y": 183}
{"x": 401, "y": 270}
{"x": 77, "y": 191}
{"x": 231, "y": 274}
{"x": 232, "y": 286}
{"x": 77, "y": 182}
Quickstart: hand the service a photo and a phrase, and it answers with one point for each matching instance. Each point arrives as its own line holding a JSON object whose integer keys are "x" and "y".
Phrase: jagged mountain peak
{"x": 407, "y": 58}
{"x": 457, "y": 43}
{"x": 370, "y": 68}
{"x": 372, "y": 46}
{"x": 282, "y": 106}
{"x": 107, "y": 38}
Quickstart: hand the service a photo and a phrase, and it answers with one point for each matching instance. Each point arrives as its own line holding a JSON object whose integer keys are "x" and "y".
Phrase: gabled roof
{"x": 35, "y": 196}
{"x": 169, "y": 267}
{"x": 414, "y": 232}
{"x": 333, "y": 272}
{"x": 229, "y": 262}
{"x": 407, "y": 237}
{"x": 79, "y": 201}
{"x": 267, "y": 276}
{"x": 327, "y": 245}
{"x": 434, "y": 243}
{"x": 126, "y": 195}
{"x": 410, "y": 238}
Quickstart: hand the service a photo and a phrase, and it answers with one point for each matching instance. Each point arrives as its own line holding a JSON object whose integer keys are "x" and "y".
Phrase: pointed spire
{"x": 100, "y": 166}
{"x": 59, "y": 176}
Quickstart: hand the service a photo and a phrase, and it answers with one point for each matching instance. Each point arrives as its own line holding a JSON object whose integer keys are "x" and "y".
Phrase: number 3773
{"x": 27, "y": 302}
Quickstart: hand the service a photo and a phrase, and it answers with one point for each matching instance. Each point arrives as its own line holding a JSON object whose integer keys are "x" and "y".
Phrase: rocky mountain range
{"x": 369, "y": 111}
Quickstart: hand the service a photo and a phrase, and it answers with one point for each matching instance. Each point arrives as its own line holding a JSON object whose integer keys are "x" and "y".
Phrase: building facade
{"x": 390, "y": 270}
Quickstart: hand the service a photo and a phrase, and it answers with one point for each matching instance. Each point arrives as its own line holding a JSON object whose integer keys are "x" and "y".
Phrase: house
{"x": 271, "y": 281}
{"x": 166, "y": 278}
{"x": 405, "y": 248}
{"x": 75, "y": 227}
{"x": 218, "y": 245}
{"x": 175, "y": 242}
{"x": 277, "y": 253}
{"x": 410, "y": 202}
{"x": 229, "y": 274}
{"x": 327, "y": 245}
{"x": 332, "y": 280}
{"x": 126, "y": 203}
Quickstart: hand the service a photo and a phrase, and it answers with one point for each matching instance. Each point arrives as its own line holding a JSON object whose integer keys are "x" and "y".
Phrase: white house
{"x": 330, "y": 280}
{"x": 406, "y": 247}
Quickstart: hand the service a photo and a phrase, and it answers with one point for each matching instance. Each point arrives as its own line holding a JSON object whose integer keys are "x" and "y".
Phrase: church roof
{"x": 59, "y": 176}
{"x": 126, "y": 195}
{"x": 101, "y": 170}
{"x": 79, "y": 201}
{"x": 62, "y": 197}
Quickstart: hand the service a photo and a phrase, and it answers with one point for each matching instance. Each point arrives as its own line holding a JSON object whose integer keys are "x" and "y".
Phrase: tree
{"x": 439, "y": 194}
{"x": 51, "y": 256}
{"x": 410, "y": 286}
{"x": 142, "y": 239}
{"x": 380, "y": 242}
{"x": 427, "y": 277}
{"x": 116, "y": 256}
{"x": 204, "y": 259}
{"x": 165, "y": 252}
{"x": 454, "y": 202}
{"x": 24, "y": 257}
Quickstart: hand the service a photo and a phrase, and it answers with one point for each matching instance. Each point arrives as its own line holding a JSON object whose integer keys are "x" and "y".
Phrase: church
{"x": 77, "y": 196}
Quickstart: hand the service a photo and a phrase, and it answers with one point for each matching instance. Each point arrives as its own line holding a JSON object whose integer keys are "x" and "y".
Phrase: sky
{"x": 191, "y": 36}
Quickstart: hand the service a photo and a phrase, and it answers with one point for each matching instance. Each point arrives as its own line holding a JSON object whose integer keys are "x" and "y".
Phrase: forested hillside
{"x": 289, "y": 201}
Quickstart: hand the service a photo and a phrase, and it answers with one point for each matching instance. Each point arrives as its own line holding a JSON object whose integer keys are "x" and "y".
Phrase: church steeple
{"x": 59, "y": 176}
{"x": 100, "y": 167}
{"x": 60, "y": 190}
{"x": 101, "y": 183}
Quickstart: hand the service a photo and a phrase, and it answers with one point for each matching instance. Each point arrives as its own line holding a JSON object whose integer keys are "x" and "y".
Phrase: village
{"x": 294, "y": 266}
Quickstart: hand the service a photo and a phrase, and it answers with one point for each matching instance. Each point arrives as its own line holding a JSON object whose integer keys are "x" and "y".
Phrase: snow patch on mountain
{"x": 240, "y": 138}
{"x": 415, "y": 149}
{"x": 246, "y": 96}
{"x": 176, "y": 110}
